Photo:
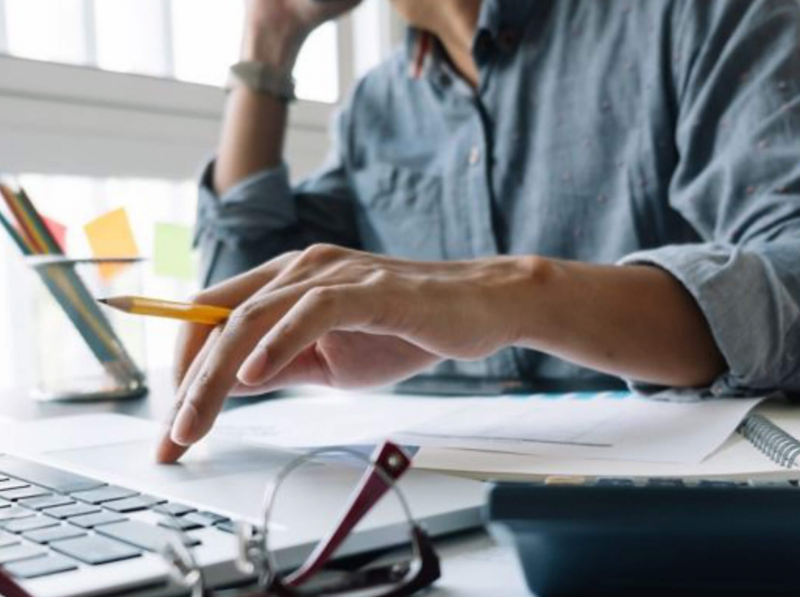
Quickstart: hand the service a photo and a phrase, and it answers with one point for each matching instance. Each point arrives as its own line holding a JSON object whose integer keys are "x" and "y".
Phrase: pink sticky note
{"x": 59, "y": 232}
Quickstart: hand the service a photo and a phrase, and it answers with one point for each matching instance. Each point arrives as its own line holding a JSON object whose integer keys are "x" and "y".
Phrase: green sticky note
{"x": 172, "y": 253}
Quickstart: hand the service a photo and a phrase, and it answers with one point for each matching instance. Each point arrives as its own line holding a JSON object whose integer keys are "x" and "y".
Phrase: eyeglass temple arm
{"x": 9, "y": 588}
{"x": 389, "y": 458}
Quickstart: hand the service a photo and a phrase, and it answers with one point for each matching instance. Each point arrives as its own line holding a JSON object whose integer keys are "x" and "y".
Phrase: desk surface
{"x": 156, "y": 405}
{"x": 471, "y": 567}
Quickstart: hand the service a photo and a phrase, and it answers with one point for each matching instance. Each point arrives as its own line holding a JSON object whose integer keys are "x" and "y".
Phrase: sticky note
{"x": 172, "y": 252}
{"x": 111, "y": 236}
{"x": 58, "y": 232}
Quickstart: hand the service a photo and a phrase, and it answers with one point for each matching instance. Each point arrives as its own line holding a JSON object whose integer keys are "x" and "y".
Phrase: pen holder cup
{"x": 81, "y": 350}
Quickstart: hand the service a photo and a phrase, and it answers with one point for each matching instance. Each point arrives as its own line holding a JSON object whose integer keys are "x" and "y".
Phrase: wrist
{"x": 274, "y": 46}
{"x": 524, "y": 301}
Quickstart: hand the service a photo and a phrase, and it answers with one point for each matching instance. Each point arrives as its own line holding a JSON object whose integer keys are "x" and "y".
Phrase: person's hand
{"x": 275, "y": 29}
{"x": 340, "y": 318}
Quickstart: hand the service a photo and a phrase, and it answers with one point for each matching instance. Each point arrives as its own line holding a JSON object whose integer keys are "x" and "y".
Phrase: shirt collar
{"x": 495, "y": 18}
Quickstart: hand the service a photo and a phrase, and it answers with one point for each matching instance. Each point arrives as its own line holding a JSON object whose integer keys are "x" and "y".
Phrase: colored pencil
{"x": 34, "y": 238}
{"x": 95, "y": 318}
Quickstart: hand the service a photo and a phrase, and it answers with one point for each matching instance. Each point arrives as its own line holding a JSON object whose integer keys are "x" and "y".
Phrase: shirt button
{"x": 474, "y": 155}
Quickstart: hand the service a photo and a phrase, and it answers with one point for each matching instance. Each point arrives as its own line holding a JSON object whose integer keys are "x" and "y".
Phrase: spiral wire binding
{"x": 774, "y": 442}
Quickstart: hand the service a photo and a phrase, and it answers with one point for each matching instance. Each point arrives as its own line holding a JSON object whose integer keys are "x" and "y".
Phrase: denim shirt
{"x": 661, "y": 132}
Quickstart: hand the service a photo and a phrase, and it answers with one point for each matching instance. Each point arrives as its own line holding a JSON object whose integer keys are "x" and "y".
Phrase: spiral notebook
{"x": 765, "y": 445}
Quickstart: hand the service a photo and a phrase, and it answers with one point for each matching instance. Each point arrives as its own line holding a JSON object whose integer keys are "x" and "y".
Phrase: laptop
{"x": 84, "y": 508}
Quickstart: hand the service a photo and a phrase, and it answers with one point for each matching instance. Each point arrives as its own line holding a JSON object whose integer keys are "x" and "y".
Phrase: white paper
{"x": 601, "y": 426}
{"x": 335, "y": 418}
{"x": 606, "y": 427}
{"x": 736, "y": 458}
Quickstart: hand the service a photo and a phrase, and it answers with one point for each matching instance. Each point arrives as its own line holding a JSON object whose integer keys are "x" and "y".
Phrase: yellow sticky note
{"x": 111, "y": 236}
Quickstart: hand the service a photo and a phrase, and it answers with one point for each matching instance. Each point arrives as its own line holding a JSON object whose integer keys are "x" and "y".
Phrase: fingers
{"x": 169, "y": 451}
{"x": 319, "y": 311}
{"x": 216, "y": 375}
{"x": 191, "y": 339}
{"x": 300, "y": 283}
{"x": 231, "y": 294}
{"x": 306, "y": 368}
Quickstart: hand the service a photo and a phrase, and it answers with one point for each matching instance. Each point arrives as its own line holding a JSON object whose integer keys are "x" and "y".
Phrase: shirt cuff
{"x": 752, "y": 319}
{"x": 256, "y": 206}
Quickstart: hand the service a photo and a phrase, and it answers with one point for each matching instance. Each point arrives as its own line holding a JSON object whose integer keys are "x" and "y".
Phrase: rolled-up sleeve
{"x": 737, "y": 82}
{"x": 264, "y": 215}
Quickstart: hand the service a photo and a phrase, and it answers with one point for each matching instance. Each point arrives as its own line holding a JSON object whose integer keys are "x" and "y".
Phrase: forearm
{"x": 636, "y": 322}
{"x": 254, "y": 125}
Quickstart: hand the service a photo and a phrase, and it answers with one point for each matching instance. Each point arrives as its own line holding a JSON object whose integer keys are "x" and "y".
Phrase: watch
{"x": 263, "y": 78}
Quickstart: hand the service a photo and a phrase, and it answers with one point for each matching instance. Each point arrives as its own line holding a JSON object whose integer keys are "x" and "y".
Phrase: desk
{"x": 471, "y": 567}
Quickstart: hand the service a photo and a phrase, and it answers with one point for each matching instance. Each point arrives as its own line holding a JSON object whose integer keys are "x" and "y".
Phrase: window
{"x": 47, "y": 30}
{"x": 188, "y": 40}
{"x": 107, "y": 103}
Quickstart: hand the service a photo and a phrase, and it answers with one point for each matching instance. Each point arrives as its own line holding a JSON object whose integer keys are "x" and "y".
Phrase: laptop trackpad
{"x": 217, "y": 475}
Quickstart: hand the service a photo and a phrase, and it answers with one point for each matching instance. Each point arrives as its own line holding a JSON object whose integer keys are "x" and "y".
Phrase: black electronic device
{"x": 652, "y": 537}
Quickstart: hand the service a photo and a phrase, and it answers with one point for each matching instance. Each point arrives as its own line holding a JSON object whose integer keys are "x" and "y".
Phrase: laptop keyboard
{"x": 53, "y": 521}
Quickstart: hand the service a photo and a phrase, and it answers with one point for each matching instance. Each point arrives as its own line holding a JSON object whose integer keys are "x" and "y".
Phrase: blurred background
{"x": 117, "y": 103}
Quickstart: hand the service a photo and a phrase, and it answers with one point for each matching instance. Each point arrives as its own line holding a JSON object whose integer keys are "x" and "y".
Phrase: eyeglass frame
{"x": 255, "y": 557}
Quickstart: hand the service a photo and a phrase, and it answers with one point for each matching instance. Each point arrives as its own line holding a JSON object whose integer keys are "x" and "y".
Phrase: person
{"x": 546, "y": 190}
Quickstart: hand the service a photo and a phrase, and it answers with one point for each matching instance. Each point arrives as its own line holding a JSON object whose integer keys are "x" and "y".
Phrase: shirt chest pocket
{"x": 400, "y": 212}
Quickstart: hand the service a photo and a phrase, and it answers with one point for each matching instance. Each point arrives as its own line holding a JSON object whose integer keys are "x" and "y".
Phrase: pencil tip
{"x": 104, "y": 301}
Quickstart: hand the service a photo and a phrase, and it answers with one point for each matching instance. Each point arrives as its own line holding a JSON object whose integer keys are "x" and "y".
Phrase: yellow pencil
{"x": 137, "y": 305}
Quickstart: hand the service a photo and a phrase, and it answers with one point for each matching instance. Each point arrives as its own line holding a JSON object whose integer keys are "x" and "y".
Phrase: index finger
{"x": 217, "y": 374}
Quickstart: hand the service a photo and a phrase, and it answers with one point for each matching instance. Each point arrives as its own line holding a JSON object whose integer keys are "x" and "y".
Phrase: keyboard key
{"x": 46, "y": 501}
{"x": 54, "y": 479}
{"x": 89, "y": 521}
{"x": 228, "y": 526}
{"x": 35, "y": 523}
{"x": 12, "y": 484}
{"x": 565, "y": 480}
{"x": 70, "y": 511}
{"x": 63, "y": 531}
{"x": 179, "y": 524}
{"x": 134, "y": 504}
{"x": 720, "y": 484}
{"x": 44, "y": 566}
{"x": 173, "y": 508}
{"x": 7, "y": 539}
{"x": 142, "y": 535}
{"x": 615, "y": 482}
{"x": 23, "y": 492}
{"x": 15, "y": 512}
{"x": 206, "y": 519}
{"x": 665, "y": 482}
{"x": 771, "y": 484}
{"x": 104, "y": 494}
{"x": 16, "y": 553}
{"x": 95, "y": 550}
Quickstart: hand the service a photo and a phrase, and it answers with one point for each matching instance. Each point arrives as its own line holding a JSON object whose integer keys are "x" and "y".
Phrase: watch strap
{"x": 263, "y": 78}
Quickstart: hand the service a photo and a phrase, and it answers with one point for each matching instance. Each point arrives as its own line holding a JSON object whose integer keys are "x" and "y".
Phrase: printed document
{"x": 607, "y": 426}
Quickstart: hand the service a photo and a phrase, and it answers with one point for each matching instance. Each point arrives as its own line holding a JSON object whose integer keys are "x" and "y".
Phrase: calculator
{"x": 647, "y": 537}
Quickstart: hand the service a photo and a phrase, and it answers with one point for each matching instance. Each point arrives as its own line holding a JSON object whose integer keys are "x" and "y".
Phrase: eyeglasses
{"x": 413, "y": 572}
